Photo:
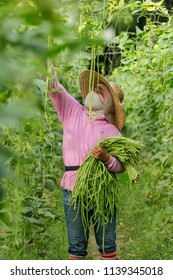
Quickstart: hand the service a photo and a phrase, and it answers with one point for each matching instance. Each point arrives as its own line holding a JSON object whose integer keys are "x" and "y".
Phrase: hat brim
{"x": 88, "y": 81}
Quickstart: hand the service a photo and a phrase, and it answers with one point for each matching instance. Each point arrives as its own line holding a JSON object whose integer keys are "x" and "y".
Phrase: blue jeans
{"x": 78, "y": 241}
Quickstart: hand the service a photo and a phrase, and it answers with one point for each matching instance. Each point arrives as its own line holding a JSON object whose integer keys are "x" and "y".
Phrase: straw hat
{"x": 88, "y": 80}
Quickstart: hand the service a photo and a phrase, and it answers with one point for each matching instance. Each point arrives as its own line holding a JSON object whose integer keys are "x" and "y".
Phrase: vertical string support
{"x": 47, "y": 80}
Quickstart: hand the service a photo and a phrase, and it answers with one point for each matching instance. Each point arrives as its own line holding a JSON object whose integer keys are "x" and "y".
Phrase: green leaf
{"x": 98, "y": 7}
{"x": 34, "y": 221}
{"x": 138, "y": 30}
{"x": 121, "y": 4}
{"x": 40, "y": 84}
{"x": 15, "y": 111}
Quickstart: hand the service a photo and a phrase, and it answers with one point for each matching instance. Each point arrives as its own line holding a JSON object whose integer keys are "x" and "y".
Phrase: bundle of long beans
{"x": 96, "y": 188}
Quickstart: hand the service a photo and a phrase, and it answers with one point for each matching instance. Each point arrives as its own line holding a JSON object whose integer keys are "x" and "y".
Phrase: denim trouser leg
{"x": 78, "y": 241}
{"x": 106, "y": 238}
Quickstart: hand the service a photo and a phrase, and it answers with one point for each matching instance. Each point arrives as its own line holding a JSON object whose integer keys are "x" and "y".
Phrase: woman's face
{"x": 93, "y": 101}
{"x": 96, "y": 98}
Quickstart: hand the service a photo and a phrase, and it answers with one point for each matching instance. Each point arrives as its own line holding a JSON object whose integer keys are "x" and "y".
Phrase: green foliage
{"x": 149, "y": 96}
{"x": 144, "y": 226}
{"x": 32, "y": 223}
{"x": 146, "y": 78}
{"x": 31, "y": 193}
{"x": 30, "y": 143}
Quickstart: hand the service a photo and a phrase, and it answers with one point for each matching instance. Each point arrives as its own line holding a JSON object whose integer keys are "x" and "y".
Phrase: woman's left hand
{"x": 100, "y": 154}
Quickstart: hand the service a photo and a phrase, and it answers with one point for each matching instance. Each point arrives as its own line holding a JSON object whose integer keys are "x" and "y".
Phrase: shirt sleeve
{"x": 64, "y": 103}
{"x": 114, "y": 165}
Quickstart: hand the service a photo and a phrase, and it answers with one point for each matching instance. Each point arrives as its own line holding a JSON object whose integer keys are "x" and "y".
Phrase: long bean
{"x": 96, "y": 188}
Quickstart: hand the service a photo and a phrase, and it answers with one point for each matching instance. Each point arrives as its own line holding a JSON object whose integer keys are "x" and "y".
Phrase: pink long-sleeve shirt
{"x": 80, "y": 134}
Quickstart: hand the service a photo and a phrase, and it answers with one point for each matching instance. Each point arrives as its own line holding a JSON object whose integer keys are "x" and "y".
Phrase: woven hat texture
{"x": 88, "y": 81}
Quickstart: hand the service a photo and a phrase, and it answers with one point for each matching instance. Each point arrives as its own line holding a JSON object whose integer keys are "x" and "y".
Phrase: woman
{"x": 101, "y": 116}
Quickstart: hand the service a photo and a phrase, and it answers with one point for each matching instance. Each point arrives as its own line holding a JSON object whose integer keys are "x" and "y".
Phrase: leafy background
{"x": 129, "y": 42}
